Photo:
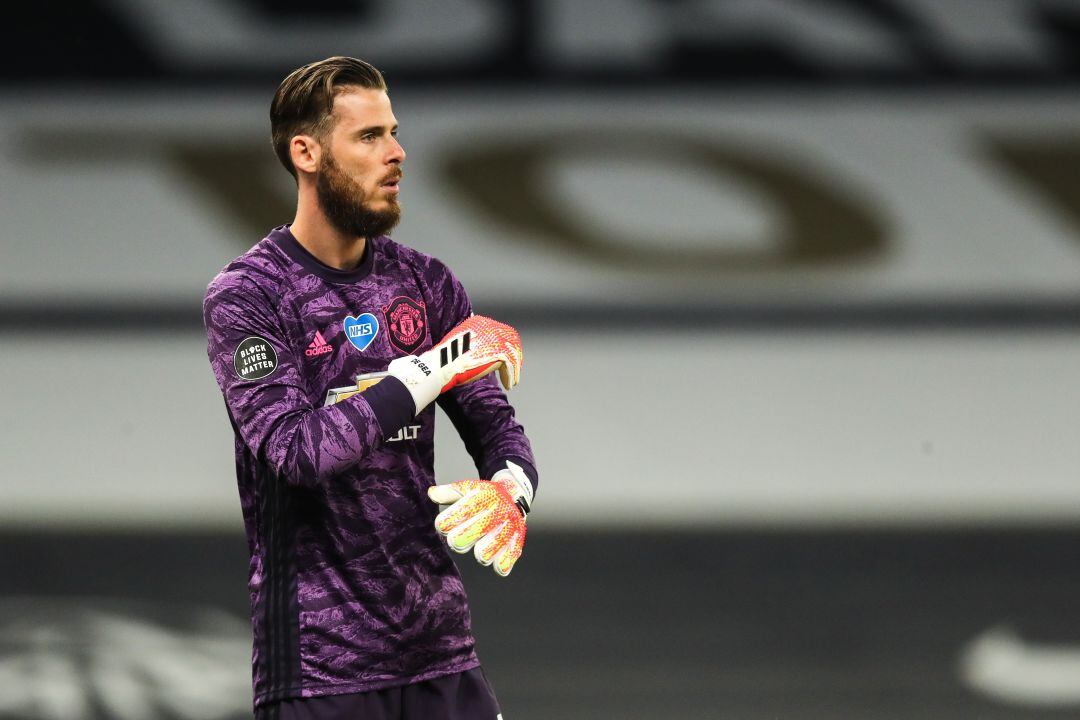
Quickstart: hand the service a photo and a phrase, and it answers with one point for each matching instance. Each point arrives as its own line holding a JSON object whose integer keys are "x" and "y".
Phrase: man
{"x": 357, "y": 608}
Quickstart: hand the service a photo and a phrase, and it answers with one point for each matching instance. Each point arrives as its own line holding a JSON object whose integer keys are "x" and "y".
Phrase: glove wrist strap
{"x": 514, "y": 477}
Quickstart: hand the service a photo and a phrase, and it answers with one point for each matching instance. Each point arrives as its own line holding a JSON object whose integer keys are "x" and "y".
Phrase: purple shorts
{"x": 462, "y": 696}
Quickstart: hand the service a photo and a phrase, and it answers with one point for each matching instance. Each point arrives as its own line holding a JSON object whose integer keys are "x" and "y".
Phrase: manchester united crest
{"x": 407, "y": 322}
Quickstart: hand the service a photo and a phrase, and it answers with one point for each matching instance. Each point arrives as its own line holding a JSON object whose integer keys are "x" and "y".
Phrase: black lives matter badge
{"x": 254, "y": 359}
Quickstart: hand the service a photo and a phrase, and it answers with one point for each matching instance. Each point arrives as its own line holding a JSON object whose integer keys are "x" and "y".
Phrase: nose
{"x": 397, "y": 152}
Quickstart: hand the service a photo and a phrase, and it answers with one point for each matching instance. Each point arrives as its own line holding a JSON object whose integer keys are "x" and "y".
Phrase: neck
{"x": 330, "y": 246}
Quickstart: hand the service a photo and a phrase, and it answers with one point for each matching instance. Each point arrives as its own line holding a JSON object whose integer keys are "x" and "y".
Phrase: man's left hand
{"x": 486, "y": 515}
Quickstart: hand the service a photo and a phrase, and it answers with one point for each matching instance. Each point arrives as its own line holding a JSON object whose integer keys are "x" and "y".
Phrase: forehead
{"x": 355, "y": 108}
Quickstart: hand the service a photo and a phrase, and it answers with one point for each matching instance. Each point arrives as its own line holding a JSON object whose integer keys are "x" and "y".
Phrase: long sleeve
{"x": 480, "y": 411}
{"x": 256, "y": 368}
{"x": 486, "y": 423}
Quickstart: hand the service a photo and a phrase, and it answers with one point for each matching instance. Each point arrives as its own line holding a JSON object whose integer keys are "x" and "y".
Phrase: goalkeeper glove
{"x": 486, "y": 515}
{"x": 474, "y": 348}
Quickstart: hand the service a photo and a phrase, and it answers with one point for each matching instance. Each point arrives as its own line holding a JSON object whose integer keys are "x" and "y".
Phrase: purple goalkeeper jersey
{"x": 351, "y": 587}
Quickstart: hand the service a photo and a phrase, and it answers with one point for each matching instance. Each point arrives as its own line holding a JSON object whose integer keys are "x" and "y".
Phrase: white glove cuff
{"x": 423, "y": 381}
{"x": 516, "y": 475}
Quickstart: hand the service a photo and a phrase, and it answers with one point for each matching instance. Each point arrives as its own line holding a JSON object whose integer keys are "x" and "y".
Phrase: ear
{"x": 304, "y": 151}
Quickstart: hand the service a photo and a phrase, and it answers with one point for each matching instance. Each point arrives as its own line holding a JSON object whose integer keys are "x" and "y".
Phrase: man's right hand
{"x": 474, "y": 348}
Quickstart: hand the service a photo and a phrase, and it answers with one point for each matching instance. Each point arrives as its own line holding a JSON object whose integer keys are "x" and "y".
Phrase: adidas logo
{"x": 318, "y": 346}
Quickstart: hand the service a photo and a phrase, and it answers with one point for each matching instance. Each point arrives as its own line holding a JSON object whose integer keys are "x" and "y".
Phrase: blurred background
{"x": 798, "y": 284}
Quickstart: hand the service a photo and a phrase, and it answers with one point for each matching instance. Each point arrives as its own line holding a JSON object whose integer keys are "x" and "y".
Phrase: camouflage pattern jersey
{"x": 351, "y": 587}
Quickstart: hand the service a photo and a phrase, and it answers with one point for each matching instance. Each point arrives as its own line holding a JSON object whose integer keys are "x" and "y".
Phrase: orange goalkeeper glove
{"x": 474, "y": 348}
{"x": 487, "y": 516}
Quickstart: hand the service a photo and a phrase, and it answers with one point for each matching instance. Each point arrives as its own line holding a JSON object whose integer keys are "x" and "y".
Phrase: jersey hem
{"x": 307, "y": 691}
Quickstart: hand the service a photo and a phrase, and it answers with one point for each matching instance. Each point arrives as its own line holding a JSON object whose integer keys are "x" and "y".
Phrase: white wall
{"x": 627, "y": 428}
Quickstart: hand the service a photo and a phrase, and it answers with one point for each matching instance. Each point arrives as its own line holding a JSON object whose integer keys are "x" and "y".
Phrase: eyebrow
{"x": 377, "y": 129}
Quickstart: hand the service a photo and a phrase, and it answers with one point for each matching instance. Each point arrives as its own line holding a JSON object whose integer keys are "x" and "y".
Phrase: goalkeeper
{"x": 357, "y": 608}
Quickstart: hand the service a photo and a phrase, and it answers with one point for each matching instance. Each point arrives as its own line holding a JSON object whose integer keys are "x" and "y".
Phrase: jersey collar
{"x": 284, "y": 239}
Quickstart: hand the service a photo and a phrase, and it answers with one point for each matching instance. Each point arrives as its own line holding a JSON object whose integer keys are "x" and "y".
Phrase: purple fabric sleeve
{"x": 303, "y": 444}
{"x": 480, "y": 411}
{"x": 485, "y": 421}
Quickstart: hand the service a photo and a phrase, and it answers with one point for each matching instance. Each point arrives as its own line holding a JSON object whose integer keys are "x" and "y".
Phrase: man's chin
{"x": 389, "y": 213}
{"x": 387, "y": 219}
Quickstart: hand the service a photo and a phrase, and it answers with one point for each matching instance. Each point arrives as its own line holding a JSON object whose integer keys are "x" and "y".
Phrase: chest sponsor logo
{"x": 406, "y": 433}
{"x": 407, "y": 322}
{"x": 254, "y": 359}
{"x": 363, "y": 382}
{"x": 361, "y": 330}
{"x": 318, "y": 346}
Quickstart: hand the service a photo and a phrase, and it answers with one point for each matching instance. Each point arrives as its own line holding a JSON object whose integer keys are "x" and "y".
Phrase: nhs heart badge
{"x": 361, "y": 330}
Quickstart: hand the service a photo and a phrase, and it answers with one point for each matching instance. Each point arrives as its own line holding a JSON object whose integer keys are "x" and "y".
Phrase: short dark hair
{"x": 304, "y": 102}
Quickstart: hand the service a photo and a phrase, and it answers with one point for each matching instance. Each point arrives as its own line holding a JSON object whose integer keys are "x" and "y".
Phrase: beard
{"x": 343, "y": 202}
